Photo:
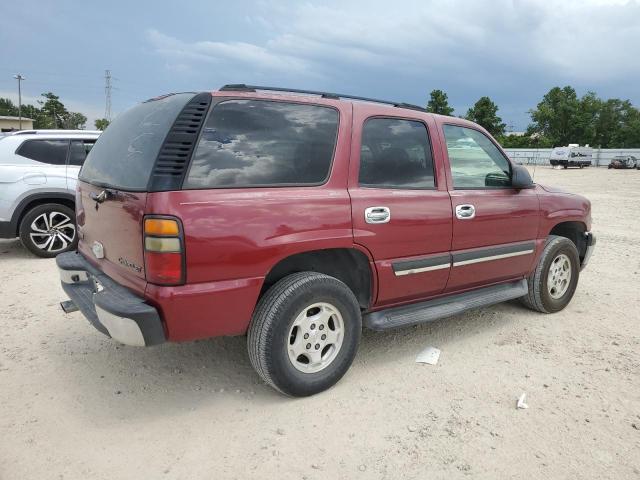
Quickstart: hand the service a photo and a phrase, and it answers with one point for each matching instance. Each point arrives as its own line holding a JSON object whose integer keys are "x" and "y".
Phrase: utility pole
{"x": 107, "y": 94}
{"x": 20, "y": 78}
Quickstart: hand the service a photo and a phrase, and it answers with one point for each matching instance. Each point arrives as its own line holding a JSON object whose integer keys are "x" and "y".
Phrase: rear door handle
{"x": 465, "y": 212}
{"x": 377, "y": 215}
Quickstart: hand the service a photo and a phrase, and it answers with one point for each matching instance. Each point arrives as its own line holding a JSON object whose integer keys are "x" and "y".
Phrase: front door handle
{"x": 377, "y": 215}
{"x": 465, "y": 212}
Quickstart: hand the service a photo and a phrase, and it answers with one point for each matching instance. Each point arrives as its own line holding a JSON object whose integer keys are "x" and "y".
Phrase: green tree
{"x": 74, "y": 121}
{"x": 628, "y": 134}
{"x": 586, "y": 118}
{"x": 8, "y": 108}
{"x": 438, "y": 103}
{"x": 555, "y": 116}
{"x": 101, "y": 123}
{"x": 610, "y": 121}
{"x": 485, "y": 113}
{"x": 52, "y": 112}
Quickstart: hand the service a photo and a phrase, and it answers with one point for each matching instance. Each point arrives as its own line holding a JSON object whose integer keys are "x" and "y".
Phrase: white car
{"x": 38, "y": 174}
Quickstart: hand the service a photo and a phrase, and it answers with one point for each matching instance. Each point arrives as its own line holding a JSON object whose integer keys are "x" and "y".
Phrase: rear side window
{"x": 125, "y": 153}
{"x": 252, "y": 143}
{"x": 395, "y": 154}
{"x": 78, "y": 151}
{"x": 53, "y": 152}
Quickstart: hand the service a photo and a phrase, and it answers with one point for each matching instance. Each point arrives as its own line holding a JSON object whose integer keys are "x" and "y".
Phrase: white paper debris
{"x": 429, "y": 355}
{"x": 521, "y": 400}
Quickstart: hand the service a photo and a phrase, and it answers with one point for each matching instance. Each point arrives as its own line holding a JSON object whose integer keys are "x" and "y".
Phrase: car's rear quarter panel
{"x": 233, "y": 237}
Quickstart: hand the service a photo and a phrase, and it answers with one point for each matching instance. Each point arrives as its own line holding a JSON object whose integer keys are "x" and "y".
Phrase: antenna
{"x": 536, "y": 140}
{"x": 107, "y": 94}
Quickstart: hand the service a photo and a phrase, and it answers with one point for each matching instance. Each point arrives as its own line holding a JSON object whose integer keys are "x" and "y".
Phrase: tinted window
{"x": 125, "y": 153}
{"x": 259, "y": 143}
{"x": 53, "y": 152}
{"x": 475, "y": 161}
{"x": 78, "y": 151}
{"x": 395, "y": 154}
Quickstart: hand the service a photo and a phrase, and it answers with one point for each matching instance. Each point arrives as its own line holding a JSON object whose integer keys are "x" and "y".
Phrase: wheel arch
{"x": 349, "y": 265}
{"x": 33, "y": 200}
{"x": 574, "y": 231}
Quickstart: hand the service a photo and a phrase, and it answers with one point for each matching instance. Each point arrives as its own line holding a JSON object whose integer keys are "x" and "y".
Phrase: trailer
{"x": 573, "y": 155}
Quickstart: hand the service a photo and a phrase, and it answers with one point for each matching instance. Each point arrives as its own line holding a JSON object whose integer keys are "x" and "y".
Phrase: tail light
{"x": 164, "y": 259}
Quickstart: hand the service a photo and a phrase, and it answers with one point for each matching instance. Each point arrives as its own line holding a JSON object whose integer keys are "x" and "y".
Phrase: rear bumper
{"x": 591, "y": 244}
{"x": 110, "y": 308}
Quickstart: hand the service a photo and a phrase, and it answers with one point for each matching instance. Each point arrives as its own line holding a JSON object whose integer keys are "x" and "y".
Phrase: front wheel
{"x": 555, "y": 278}
{"x": 49, "y": 229}
{"x": 304, "y": 333}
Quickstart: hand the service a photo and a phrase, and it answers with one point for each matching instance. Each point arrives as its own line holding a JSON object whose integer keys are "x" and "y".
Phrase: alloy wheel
{"x": 52, "y": 231}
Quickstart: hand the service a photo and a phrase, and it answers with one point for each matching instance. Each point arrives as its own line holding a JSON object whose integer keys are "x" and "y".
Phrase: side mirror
{"x": 520, "y": 178}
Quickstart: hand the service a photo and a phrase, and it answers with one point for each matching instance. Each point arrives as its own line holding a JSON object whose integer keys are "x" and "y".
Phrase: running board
{"x": 431, "y": 310}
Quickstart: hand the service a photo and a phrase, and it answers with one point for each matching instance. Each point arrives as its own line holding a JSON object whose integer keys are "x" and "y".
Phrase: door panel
{"x": 494, "y": 226}
{"x": 419, "y": 231}
{"x": 394, "y": 167}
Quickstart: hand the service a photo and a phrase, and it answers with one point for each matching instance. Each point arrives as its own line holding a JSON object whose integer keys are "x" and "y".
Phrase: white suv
{"x": 38, "y": 173}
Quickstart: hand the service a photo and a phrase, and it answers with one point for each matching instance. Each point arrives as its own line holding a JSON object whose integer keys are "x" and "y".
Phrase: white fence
{"x": 540, "y": 156}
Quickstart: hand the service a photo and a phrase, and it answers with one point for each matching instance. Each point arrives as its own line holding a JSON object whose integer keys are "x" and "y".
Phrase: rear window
{"x": 124, "y": 154}
{"x": 53, "y": 152}
{"x": 251, "y": 143}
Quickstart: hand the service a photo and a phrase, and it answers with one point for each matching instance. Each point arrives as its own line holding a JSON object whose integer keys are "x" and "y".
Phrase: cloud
{"x": 219, "y": 52}
{"x": 461, "y": 42}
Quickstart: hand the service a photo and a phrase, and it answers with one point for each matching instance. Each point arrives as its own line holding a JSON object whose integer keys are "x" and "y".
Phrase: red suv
{"x": 296, "y": 218}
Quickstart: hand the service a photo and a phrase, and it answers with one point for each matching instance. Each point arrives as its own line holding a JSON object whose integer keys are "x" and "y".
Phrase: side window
{"x": 53, "y": 152}
{"x": 395, "y": 154}
{"x": 475, "y": 161}
{"x": 78, "y": 151}
{"x": 250, "y": 143}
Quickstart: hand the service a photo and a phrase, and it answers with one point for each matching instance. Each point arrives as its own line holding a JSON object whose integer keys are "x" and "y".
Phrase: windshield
{"x": 125, "y": 153}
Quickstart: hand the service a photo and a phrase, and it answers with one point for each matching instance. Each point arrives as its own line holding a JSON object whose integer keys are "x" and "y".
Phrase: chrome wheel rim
{"x": 52, "y": 231}
{"x": 559, "y": 276}
{"x": 315, "y": 337}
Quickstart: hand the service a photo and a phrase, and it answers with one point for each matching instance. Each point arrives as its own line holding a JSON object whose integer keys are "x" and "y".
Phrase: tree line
{"x": 560, "y": 118}
{"x": 49, "y": 113}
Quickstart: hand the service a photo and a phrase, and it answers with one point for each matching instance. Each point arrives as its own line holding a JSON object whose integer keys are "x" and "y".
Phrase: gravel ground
{"x": 77, "y": 405}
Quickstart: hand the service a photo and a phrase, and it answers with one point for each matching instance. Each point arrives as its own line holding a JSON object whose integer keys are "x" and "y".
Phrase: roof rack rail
{"x": 54, "y": 132}
{"x": 241, "y": 87}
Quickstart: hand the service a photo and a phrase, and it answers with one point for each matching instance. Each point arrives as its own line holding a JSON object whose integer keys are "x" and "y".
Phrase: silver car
{"x": 38, "y": 173}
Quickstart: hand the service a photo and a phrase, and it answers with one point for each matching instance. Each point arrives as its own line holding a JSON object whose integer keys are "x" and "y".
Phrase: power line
{"x": 107, "y": 94}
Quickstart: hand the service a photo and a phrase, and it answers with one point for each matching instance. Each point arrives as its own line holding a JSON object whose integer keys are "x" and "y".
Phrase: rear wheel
{"x": 554, "y": 281}
{"x": 49, "y": 229}
{"x": 304, "y": 333}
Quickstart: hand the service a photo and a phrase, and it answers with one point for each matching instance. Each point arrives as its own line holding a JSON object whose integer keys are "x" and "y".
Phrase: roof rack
{"x": 241, "y": 87}
{"x": 55, "y": 132}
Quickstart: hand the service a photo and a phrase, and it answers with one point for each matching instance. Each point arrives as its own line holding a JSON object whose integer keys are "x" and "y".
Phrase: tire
{"x": 547, "y": 297}
{"x": 49, "y": 229}
{"x": 273, "y": 339}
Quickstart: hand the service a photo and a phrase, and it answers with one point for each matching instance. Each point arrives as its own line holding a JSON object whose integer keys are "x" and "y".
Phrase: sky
{"x": 513, "y": 51}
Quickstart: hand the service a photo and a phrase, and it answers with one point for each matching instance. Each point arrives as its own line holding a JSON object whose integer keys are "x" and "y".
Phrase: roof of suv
{"x": 312, "y": 96}
{"x": 56, "y": 133}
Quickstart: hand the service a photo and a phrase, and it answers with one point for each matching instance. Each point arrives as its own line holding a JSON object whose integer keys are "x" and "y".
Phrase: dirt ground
{"x": 75, "y": 405}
